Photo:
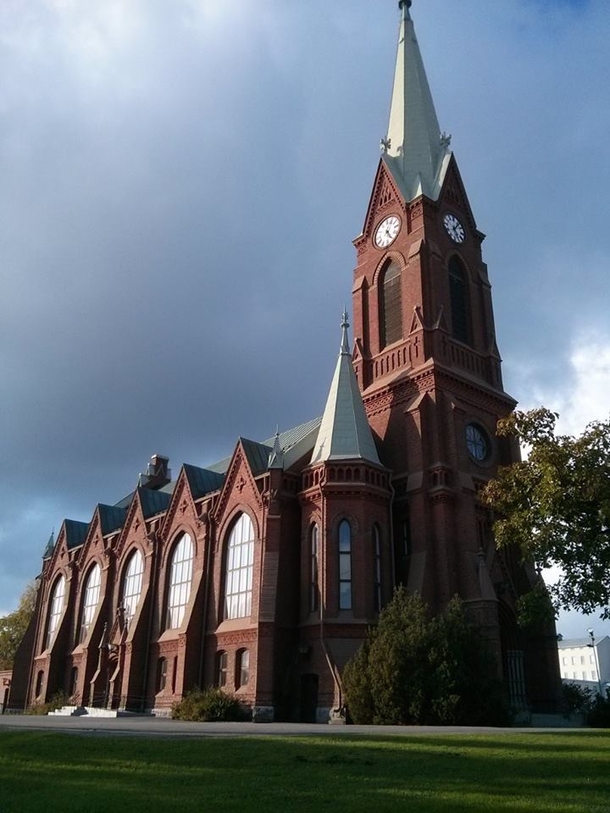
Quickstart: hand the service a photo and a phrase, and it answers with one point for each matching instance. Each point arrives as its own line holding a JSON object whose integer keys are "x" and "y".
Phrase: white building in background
{"x": 585, "y": 661}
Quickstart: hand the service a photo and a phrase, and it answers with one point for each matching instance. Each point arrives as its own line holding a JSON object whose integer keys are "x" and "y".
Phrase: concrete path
{"x": 162, "y": 727}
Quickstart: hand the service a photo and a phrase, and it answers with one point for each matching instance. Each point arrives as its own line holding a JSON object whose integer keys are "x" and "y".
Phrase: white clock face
{"x": 387, "y": 231}
{"x": 454, "y": 228}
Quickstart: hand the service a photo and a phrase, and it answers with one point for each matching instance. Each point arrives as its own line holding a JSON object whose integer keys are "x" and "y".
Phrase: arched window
{"x": 239, "y": 569}
{"x": 345, "y": 565}
{"x": 39, "y": 679}
{"x": 242, "y": 668}
{"x": 132, "y": 585}
{"x": 161, "y": 674}
{"x": 391, "y": 305}
{"x": 313, "y": 569}
{"x": 460, "y": 301}
{"x": 180, "y": 580}
{"x": 55, "y": 610}
{"x": 91, "y": 597}
{"x": 222, "y": 661}
{"x": 377, "y": 568}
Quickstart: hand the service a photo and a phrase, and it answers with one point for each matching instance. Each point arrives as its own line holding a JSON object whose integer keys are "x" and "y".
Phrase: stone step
{"x": 88, "y": 711}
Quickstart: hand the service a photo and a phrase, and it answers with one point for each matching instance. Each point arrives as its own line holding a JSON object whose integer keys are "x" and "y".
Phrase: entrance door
{"x": 309, "y": 698}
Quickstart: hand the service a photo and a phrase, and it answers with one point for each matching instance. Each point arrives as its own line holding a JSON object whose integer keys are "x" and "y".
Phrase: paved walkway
{"x": 162, "y": 727}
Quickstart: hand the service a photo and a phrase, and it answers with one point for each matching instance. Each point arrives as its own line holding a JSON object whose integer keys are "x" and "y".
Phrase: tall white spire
{"x": 344, "y": 433}
{"x": 415, "y": 149}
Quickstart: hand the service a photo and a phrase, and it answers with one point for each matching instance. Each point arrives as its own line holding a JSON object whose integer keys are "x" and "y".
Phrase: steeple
{"x": 344, "y": 433}
{"x": 415, "y": 150}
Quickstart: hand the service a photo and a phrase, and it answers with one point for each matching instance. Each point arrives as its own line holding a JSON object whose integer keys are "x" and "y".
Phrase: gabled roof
{"x": 111, "y": 518}
{"x": 257, "y": 455}
{"x": 416, "y": 152}
{"x": 345, "y": 433}
{"x": 76, "y": 532}
{"x": 202, "y": 481}
{"x": 153, "y": 502}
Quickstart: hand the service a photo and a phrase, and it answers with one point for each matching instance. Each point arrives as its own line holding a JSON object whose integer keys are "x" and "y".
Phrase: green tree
{"x": 423, "y": 670}
{"x": 14, "y": 625}
{"x": 555, "y": 505}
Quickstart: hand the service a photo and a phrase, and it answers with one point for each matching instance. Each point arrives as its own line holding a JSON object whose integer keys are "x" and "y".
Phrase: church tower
{"x": 428, "y": 367}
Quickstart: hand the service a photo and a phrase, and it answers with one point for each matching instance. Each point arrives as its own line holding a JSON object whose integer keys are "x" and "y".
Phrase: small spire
{"x": 344, "y": 433}
{"x": 50, "y": 547}
{"x": 344, "y": 333}
{"x": 276, "y": 458}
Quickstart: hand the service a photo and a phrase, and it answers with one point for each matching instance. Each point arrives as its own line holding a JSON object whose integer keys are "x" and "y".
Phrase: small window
{"x": 39, "y": 679}
{"x": 73, "y": 681}
{"x": 91, "y": 597}
{"x": 406, "y": 537}
{"x": 161, "y": 674}
{"x": 242, "y": 668}
{"x": 345, "y": 566}
{"x": 313, "y": 570}
{"x": 377, "y": 568}
{"x": 222, "y": 660}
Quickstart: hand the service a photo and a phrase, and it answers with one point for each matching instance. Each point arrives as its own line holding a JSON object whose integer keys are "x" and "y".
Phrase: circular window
{"x": 477, "y": 443}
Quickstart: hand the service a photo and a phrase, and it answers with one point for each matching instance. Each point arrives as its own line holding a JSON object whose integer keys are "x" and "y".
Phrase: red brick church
{"x": 262, "y": 572}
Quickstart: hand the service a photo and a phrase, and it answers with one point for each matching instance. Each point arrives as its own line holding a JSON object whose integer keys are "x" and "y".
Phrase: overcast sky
{"x": 180, "y": 185}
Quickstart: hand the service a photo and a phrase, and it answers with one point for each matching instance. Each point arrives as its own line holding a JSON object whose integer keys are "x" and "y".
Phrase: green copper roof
{"x": 76, "y": 532}
{"x": 415, "y": 150}
{"x": 345, "y": 433}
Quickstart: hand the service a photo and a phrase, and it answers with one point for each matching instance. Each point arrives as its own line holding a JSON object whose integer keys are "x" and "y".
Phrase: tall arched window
{"x": 242, "y": 668}
{"x": 180, "y": 580}
{"x": 460, "y": 301}
{"x": 377, "y": 568}
{"x": 313, "y": 569}
{"x": 91, "y": 597}
{"x": 391, "y": 305}
{"x": 132, "y": 585}
{"x": 56, "y": 608}
{"x": 345, "y": 565}
{"x": 239, "y": 569}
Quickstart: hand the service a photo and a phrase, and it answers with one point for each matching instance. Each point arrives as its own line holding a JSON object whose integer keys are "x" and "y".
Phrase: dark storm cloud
{"x": 181, "y": 183}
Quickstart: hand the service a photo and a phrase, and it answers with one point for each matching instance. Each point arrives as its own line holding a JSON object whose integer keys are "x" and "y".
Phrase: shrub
{"x": 208, "y": 705}
{"x": 576, "y": 699}
{"x": 422, "y": 670}
{"x": 599, "y": 716}
{"x": 56, "y": 702}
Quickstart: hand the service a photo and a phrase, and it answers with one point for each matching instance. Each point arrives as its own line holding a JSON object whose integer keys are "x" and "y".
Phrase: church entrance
{"x": 309, "y": 698}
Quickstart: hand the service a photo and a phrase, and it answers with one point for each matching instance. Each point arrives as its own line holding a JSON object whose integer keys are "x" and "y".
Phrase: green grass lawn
{"x": 565, "y": 772}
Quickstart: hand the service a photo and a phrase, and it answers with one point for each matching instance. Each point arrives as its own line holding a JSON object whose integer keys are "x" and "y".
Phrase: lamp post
{"x": 596, "y": 662}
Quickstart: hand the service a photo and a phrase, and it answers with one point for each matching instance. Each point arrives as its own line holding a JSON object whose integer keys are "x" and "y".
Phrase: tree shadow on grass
{"x": 524, "y": 774}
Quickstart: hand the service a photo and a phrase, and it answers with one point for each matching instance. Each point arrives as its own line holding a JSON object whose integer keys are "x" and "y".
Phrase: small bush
{"x": 56, "y": 702}
{"x": 599, "y": 716}
{"x": 208, "y": 705}
{"x": 576, "y": 699}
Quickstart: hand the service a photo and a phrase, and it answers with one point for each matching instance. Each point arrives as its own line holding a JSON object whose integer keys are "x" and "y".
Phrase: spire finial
{"x": 344, "y": 336}
{"x": 405, "y": 5}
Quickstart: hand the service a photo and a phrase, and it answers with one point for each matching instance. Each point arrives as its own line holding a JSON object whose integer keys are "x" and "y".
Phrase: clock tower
{"x": 429, "y": 370}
